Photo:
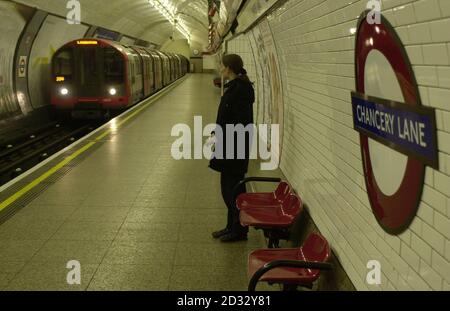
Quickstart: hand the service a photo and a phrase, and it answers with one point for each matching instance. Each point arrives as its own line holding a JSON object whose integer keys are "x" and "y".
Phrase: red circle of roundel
{"x": 394, "y": 213}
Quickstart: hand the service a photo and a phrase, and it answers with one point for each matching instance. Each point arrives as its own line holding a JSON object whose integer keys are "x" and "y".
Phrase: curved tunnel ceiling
{"x": 138, "y": 18}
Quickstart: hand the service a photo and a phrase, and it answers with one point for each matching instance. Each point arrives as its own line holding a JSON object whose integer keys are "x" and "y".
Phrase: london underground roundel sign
{"x": 397, "y": 134}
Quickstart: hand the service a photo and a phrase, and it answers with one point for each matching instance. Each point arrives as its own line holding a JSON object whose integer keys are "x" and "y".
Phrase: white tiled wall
{"x": 321, "y": 152}
{"x": 241, "y": 45}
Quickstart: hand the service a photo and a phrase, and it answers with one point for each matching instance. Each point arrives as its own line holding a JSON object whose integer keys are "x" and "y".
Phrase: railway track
{"x": 29, "y": 148}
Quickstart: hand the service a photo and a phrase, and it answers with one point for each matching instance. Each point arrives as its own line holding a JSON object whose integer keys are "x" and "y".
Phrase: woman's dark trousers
{"x": 228, "y": 181}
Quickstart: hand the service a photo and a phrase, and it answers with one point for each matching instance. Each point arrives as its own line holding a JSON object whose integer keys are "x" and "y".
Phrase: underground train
{"x": 97, "y": 76}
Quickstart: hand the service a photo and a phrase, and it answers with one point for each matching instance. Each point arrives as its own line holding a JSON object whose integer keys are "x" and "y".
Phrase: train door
{"x": 165, "y": 68}
{"x": 169, "y": 57}
{"x": 151, "y": 71}
{"x": 168, "y": 78}
{"x": 143, "y": 57}
{"x": 147, "y": 67}
{"x": 152, "y": 77}
{"x": 178, "y": 66}
{"x": 180, "y": 73}
{"x": 158, "y": 71}
{"x": 168, "y": 70}
{"x": 149, "y": 78}
{"x": 133, "y": 79}
{"x": 146, "y": 73}
{"x": 184, "y": 65}
{"x": 130, "y": 79}
{"x": 135, "y": 73}
{"x": 139, "y": 83}
{"x": 175, "y": 65}
{"x": 154, "y": 71}
{"x": 172, "y": 67}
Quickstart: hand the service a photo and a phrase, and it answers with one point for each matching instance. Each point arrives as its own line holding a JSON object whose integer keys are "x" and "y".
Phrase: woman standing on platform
{"x": 236, "y": 108}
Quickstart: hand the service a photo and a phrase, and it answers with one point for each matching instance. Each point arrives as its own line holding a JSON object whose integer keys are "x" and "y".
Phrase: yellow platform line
{"x": 16, "y": 196}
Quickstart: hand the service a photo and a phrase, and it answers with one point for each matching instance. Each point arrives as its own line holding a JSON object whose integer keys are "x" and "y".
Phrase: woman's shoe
{"x": 234, "y": 237}
{"x": 220, "y": 233}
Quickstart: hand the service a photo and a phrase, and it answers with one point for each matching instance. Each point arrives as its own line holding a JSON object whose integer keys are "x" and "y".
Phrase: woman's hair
{"x": 235, "y": 63}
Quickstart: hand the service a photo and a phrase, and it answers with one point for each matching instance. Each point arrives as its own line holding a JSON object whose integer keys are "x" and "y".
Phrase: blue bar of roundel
{"x": 428, "y": 152}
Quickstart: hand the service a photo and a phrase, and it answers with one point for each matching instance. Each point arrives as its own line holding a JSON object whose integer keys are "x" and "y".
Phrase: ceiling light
{"x": 166, "y": 9}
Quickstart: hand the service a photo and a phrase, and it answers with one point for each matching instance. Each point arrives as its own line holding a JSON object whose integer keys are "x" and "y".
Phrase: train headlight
{"x": 112, "y": 91}
{"x": 64, "y": 91}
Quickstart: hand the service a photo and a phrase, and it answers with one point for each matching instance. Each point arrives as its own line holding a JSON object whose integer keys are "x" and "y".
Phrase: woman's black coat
{"x": 236, "y": 107}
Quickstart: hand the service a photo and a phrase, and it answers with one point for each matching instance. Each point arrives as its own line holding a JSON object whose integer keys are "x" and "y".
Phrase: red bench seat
{"x": 279, "y": 215}
{"x": 290, "y": 266}
{"x": 254, "y": 200}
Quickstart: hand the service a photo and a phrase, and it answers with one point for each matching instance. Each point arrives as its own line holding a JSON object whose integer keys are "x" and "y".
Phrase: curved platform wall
{"x": 321, "y": 156}
{"x": 12, "y": 23}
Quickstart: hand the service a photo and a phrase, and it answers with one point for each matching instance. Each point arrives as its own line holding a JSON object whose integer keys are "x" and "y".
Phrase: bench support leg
{"x": 274, "y": 242}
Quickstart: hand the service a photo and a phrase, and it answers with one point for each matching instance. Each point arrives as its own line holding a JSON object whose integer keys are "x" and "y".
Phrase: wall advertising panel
{"x": 271, "y": 92}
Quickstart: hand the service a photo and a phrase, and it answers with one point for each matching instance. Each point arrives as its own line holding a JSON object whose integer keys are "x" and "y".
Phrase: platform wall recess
{"x": 321, "y": 154}
{"x": 12, "y": 23}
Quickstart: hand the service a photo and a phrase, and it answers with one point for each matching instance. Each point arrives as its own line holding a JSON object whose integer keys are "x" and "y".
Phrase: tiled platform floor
{"x": 135, "y": 218}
